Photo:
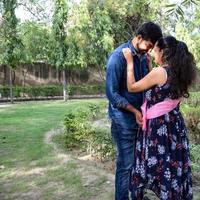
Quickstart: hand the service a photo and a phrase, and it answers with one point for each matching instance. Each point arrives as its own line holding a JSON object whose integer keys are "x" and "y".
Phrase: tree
{"x": 188, "y": 30}
{"x": 36, "y": 38}
{"x": 11, "y": 44}
{"x": 98, "y": 33}
{"x": 60, "y": 34}
{"x": 107, "y": 24}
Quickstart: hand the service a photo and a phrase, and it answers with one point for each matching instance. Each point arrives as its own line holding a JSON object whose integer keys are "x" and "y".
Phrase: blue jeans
{"x": 125, "y": 139}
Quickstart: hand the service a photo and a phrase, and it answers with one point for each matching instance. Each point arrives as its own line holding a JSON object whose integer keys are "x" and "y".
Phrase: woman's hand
{"x": 127, "y": 55}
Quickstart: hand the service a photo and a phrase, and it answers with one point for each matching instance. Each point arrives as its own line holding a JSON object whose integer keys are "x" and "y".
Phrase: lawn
{"x": 30, "y": 168}
{"x": 34, "y": 166}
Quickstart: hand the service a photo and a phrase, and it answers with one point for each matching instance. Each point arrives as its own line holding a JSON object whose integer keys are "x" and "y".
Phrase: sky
{"x": 23, "y": 13}
{"x": 47, "y": 5}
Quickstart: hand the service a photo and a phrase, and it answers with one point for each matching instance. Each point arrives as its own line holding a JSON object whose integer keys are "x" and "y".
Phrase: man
{"x": 124, "y": 107}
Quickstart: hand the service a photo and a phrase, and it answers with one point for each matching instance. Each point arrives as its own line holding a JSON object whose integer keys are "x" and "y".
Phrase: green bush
{"x": 191, "y": 113}
{"x": 193, "y": 100}
{"x": 195, "y": 156}
{"x": 50, "y": 91}
{"x": 101, "y": 145}
{"x": 5, "y": 91}
{"x": 76, "y": 129}
{"x": 36, "y": 91}
{"x": 193, "y": 123}
{"x": 86, "y": 89}
{"x": 81, "y": 134}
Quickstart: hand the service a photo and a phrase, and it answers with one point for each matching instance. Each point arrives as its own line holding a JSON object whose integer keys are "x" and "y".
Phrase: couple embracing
{"x": 146, "y": 123}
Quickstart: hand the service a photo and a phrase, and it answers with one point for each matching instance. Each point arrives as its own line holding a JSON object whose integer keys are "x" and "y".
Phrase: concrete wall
{"x": 44, "y": 74}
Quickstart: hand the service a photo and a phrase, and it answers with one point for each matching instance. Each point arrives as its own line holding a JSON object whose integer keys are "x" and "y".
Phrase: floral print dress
{"x": 162, "y": 159}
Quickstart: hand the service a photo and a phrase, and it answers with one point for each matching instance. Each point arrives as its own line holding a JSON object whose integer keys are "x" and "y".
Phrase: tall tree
{"x": 99, "y": 37}
{"x": 60, "y": 19}
{"x": 11, "y": 43}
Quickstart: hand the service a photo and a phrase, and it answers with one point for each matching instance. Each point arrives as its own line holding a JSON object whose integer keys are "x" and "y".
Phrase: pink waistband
{"x": 158, "y": 109}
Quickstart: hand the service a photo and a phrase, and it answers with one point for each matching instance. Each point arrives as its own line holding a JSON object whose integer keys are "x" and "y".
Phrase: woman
{"x": 162, "y": 160}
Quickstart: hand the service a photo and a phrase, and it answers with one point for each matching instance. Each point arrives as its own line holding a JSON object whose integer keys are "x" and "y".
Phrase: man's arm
{"x": 114, "y": 72}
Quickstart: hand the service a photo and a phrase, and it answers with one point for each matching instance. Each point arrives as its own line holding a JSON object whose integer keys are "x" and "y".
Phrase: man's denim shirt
{"x": 116, "y": 85}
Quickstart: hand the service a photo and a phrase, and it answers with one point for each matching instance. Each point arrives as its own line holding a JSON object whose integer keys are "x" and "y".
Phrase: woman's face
{"x": 158, "y": 55}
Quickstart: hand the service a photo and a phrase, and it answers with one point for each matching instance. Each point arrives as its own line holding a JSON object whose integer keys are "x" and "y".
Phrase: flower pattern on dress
{"x": 162, "y": 130}
{"x": 162, "y": 153}
{"x": 164, "y": 195}
{"x": 148, "y": 95}
{"x": 167, "y": 174}
{"x": 152, "y": 161}
{"x": 161, "y": 149}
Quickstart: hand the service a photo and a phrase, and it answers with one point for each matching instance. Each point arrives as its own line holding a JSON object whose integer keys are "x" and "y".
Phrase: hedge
{"x": 51, "y": 91}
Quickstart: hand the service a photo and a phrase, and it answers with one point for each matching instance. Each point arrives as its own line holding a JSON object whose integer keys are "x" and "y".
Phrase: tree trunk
{"x": 65, "y": 93}
{"x": 5, "y": 74}
{"x": 11, "y": 86}
{"x": 24, "y": 73}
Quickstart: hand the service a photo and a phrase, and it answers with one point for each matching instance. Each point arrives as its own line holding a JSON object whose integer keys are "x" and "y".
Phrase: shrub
{"x": 5, "y": 91}
{"x": 80, "y": 133}
{"x": 195, "y": 156}
{"x": 191, "y": 113}
{"x": 193, "y": 124}
{"x": 52, "y": 90}
{"x": 86, "y": 89}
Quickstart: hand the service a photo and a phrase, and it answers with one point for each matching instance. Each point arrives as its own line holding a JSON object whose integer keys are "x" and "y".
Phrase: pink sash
{"x": 157, "y": 110}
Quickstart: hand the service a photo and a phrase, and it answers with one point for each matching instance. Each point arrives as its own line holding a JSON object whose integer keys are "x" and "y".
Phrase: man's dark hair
{"x": 149, "y": 31}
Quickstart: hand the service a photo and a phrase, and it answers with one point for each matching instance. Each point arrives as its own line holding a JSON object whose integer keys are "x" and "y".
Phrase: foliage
{"x": 79, "y": 133}
{"x": 191, "y": 112}
{"x": 36, "y": 38}
{"x": 86, "y": 89}
{"x": 97, "y": 31}
{"x": 33, "y": 92}
{"x": 11, "y": 50}
{"x": 59, "y": 30}
{"x": 52, "y": 91}
{"x": 11, "y": 45}
{"x": 195, "y": 156}
{"x": 84, "y": 33}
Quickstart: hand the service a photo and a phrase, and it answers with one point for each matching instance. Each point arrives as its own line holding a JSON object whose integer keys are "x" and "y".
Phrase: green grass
{"x": 29, "y": 166}
{"x": 30, "y": 169}
{"x": 23, "y": 126}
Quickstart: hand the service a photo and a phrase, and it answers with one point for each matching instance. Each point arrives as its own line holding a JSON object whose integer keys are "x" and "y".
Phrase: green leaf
{"x": 171, "y": 5}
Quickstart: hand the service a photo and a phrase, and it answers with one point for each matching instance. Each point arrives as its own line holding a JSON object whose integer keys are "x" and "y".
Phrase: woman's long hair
{"x": 183, "y": 67}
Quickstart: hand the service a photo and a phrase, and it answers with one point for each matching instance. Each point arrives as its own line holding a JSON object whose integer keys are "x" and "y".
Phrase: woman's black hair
{"x": 149, "y": 31}
{"x": 182, "y": 64}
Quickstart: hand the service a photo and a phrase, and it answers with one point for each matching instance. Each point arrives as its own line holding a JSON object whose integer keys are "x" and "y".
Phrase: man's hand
{"x": 136, "y": 112}
{"x": 138, "y": 116}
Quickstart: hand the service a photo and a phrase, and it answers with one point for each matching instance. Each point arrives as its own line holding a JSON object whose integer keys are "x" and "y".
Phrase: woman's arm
{"x": 156, "y": 77}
